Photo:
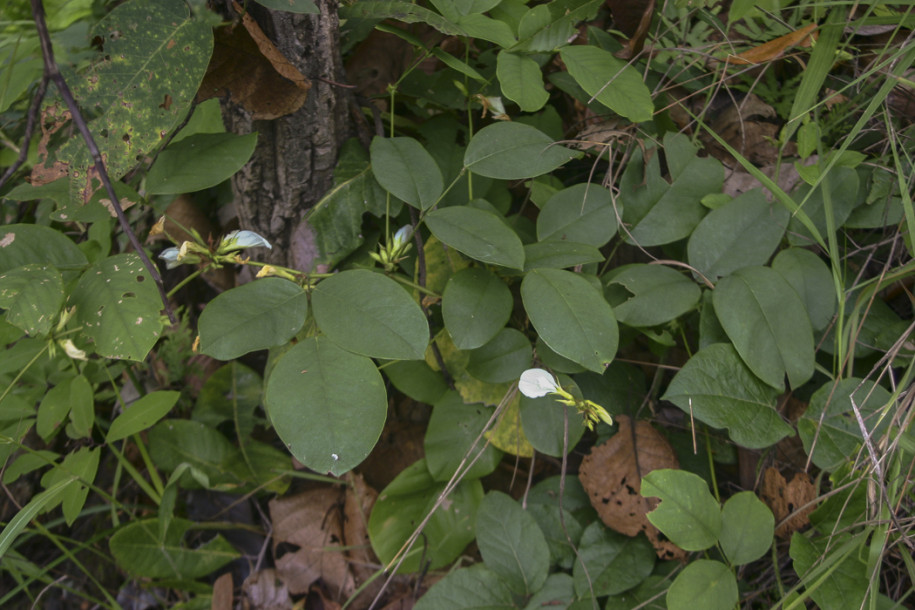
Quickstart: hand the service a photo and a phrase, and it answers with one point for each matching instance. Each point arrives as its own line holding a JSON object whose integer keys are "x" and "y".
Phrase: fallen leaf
{"x": 247, "y": 68}
{"x": 787, "y": 499}
{"x": 222, "y": 593}
{"x": 265, "y": 591}
{"x": 775, "y": 48}
{"x": 357, "y": 506}
{"x": 612, "y": 477}
{"x": 309, "y": 528}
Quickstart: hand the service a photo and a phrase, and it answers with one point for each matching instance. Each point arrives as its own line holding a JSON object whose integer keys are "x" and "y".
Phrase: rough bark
{"x": 293, "y": 163}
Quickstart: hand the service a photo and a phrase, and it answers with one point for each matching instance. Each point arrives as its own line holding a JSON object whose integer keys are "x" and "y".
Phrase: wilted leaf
{"x": 792, "y": 501}
{"x": 612, "y": 476}
{"x": 774, "y": 49}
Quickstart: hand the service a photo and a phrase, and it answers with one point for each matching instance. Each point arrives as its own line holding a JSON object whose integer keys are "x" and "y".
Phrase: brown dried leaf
{"x": 775, "y": 48}
{"x": 612, "y": 476}
{"x": 632, "y": 18}
{"x": 360, "y": 498}
{"x": 248, "y": 68}
{"x": 786, "y": 499}
{"x": 312, "y": 522}
{"x": 265, "y": 591}
{"x": 222, "y": 593}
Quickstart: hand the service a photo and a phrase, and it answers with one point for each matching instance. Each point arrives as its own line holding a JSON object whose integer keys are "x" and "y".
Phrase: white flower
{"x": 170, "y": 256}
{"x": 535, "y": 383}
{"x": 239, "y": 240}
{"x": 403, "y": 234}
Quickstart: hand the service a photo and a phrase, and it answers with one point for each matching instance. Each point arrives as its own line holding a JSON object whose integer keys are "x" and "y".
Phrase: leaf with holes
{"x": 118, "y": 306}
{"x": 32, "y": 296}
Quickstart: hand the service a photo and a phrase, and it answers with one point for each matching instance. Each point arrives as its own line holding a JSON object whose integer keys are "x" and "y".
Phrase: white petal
{"x": 535, "y": 383}
{"x": 170, "y": 256}
{"x": 403, "y": 234}
{"x": 238, "y": 240}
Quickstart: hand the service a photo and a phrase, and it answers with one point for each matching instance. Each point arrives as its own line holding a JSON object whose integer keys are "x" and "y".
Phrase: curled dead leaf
{"x": 774, "y": 49}
{"x": 612, "y": 477}
{"x": 791, "y": 503}
{"x": 248, "y": 68}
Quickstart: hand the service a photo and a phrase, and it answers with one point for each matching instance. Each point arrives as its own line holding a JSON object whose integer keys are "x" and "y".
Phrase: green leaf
{"x": 571, "y": 317}
{"x": 335, "y": 223}
{"x": 810, "y": 277}
{"x": 141, "y": 415}
{"x": 405, "y": 12}
{"x": 232, "y": 393}
{"x": 32, "y": 296}
{"x": 82, "y": 464}
{"x": 173, "y": 442}
{"x": 581, "y": 213}
{"x": 705, "y": 584}
{"x": 615, "y": 562}
{"x": 829, "y": 428}
{"x": 543, "y": 420}
{"x": 747, "y": 528}
{"x": 292, "y": 6}
{"x": 717, "y": 388}
{"x": 416, "y": 379}
{"x": 39, "y": 503}
{"x": 473, "y": 588}
{"x": 198, "y": 162}
{"x": 657, "y": 212}
{"x": 155, "y": 57}
{"x": 845, "y": 586}
{"x": 481, "y": 26}
{"x": 503, "y": 359}
{"x": 253, "y": 316}
{"x": 511, "y": 151}
{"x": 406, "y": 170}
{"x": 137, "y": 548}
{"x": 406, "y": 501}
{"x": 688, "y": 514}
{"x": 327, "y": 405}
{"x": 53, "y": 410}
{"x": 557, "y": 592}
{"x": 651, "y": 295}
{"x": 23, "y": 244}
{"x": 453, "y": 428}
{"x": 742, "y": 233}
{"x": 479, "y": 234}
{"x": 82, "y": 408}
{"x": 370, "y": 314}
{"x": 842, "y": 183}
{"x": 615, "y": 84}
{"x": 511, "y": 543}
{"x": 118, "y": 306}
{"x": 475, "y": 306}
{"x": 559, "y": 255}
{"x": 765, "y": 319}
{"x": 521, "y": 81}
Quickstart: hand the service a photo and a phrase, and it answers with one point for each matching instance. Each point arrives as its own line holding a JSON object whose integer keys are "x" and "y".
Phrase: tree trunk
{"x": 294, "y": 160}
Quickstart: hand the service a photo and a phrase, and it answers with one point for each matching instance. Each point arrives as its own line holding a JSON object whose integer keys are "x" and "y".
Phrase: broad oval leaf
{"x": 571, "y": 317}
{"x": 543, "y": 421}
{"x": 473, "y": 588}
{"x": 810, "y": 277}
{"x": 406, "y": 170}
{"x": 511, "y": 151}
{"x": 370, "y": 314}
{"x": 581, "y": 213}
{"x": 521, "y": 81}
{"x": 138, "y": 549}
{"x": 717, "y": 388}
{"x": 475, "y": 306}
{"x": 611, "y": 81}
{"x": 705, "y": 584}
{"x": 559, "y": 255}
{"x": 739, "y": 234}
{"x": 406, "y": 501}
{"x": 511, "y": 543}
{"x": 253, "y": 316}
{"x": 141, "y": 415}
{"x": 479, "y": 234}
{"x": 23, "y": 244}
{"x": 198, "y": 162}
{"x": 747, "y": 528}
{"x": 118, "y": 305}
{"x": 453, "y": 428}
{"x": 327, "y": 405}
{"x": 32, "y": 296}
{"x": 829, "y": 428}
{"x": 650, "y": 295}
{"x": 503, "y": 359}
{"x": 688, "y": 513}
{"x": 766, "y": 321}
{"x": 615, "y": 563}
